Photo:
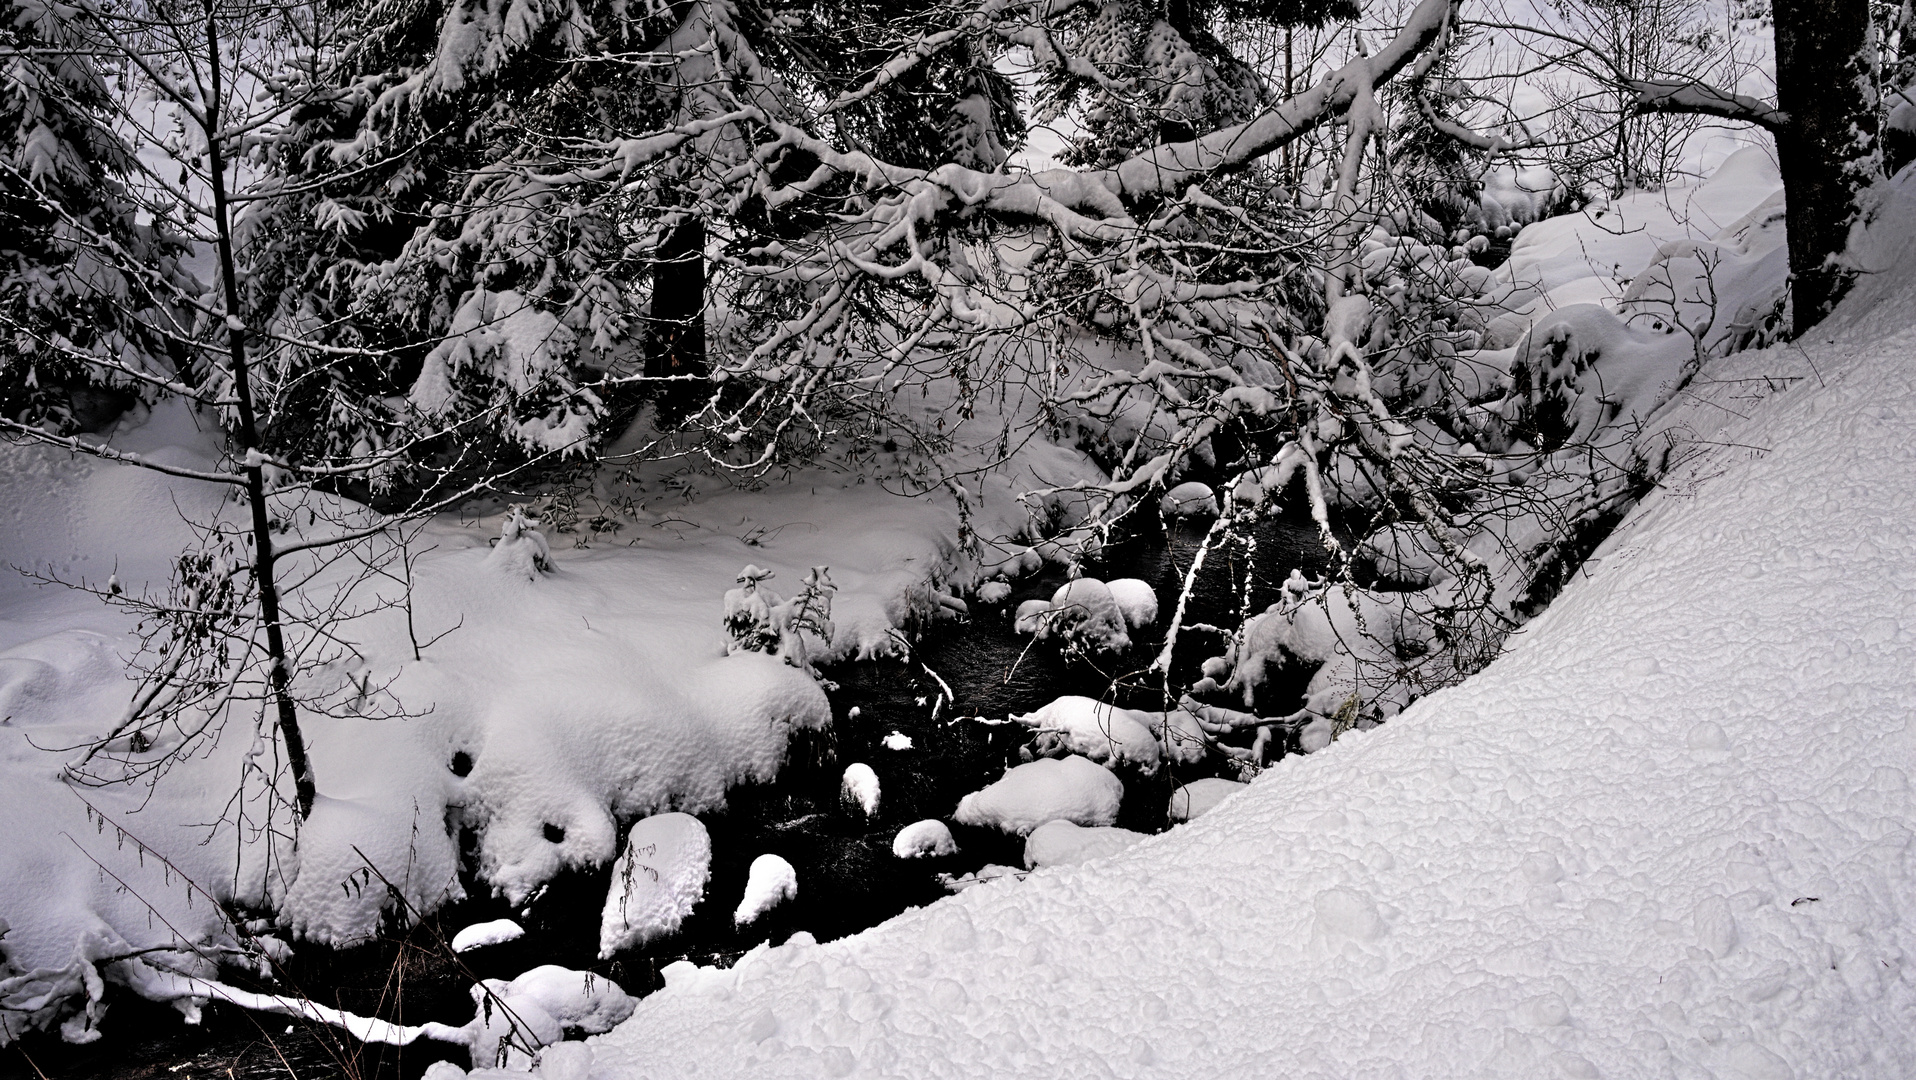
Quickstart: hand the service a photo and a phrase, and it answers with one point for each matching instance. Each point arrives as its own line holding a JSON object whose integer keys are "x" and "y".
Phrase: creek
{"x": 848, "y": 877}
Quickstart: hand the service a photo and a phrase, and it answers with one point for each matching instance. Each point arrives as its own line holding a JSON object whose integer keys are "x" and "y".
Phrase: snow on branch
{"x": 1692, "y": 96}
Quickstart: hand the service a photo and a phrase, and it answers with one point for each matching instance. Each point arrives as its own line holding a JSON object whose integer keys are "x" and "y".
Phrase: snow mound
{"x": 994, "y": 592}
{"x": 924, "y": 839}
{"x": 1072, "y": 789}
{"x": 860, "y": 787}
{"x": 1136, "y": 599}
{"x": 1199, "y": 797}
{"x": 770, "y": 882}
{"x": 1062, "y": 843}
{"x": 657, "y": 881}
{"x": 481, "y": 935}
{"x": 897, "y": 740}
{"x": 1106, "y": 734}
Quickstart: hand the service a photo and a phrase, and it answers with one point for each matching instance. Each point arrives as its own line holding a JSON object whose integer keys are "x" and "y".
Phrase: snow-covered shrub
{"x": 522, "y": 551}
{"x": 759, "y": 620}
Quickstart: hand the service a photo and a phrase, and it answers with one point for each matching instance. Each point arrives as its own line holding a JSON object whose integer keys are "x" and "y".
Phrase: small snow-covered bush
{"x": 759, "y": 620}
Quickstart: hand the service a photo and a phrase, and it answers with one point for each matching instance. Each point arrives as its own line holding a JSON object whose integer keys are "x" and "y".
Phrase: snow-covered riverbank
{"x": 1668, "y": 834}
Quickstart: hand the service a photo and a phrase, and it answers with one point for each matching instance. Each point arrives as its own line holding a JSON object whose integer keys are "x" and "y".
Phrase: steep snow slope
{"x": 1668, "y": 834}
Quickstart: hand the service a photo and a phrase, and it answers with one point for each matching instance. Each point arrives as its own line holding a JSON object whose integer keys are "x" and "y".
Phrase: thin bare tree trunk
{"x": 248, "y": 435}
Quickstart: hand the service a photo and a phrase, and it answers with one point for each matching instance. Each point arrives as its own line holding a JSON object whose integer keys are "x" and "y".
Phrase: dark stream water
{"x": 848, "y": 877}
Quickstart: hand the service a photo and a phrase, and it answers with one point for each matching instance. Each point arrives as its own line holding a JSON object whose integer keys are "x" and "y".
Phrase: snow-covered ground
{"x": 1668, "y": 834}
{"x": 555, "y": 705}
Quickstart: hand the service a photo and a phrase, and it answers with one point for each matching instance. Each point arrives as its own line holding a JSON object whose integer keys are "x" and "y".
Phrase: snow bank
{"x": 1049, "y": 789}
{"x": 1667, "y": 834}
{"x": 659, "y": 878}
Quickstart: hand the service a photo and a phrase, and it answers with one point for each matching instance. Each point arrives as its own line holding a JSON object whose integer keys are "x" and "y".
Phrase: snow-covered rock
{"x": 860, "y": 788}
{"x": 1073, "y": 789}
{"x": 994, "y": 592}
{"x": 1062, "y": 843}
{"x": 481, "y": 935}
{"x": 1031, "y": 616}
{"x": 897, "y": 740}
{"x": 770, "y": 882}
{"x": 1199, "y": 797}
{"x": 1136, "y": 599}
{"x": 1106, "y": 734}
{"x": 1189, "y": 499}
{"x": 1086, "y": 616}
{"x": 924, "y": 839}
{"x": 656, "y": 882}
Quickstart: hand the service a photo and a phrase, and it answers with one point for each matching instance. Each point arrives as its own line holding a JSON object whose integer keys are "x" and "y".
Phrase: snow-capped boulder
{"x": 481, "y": 935}
{"x": 770, "y": 882}
{"x": 1062, "y": 843}
{"x": 994, "y": 592}
{"x": 1199, "y": 797}
{"x": 1137, "y": 601}
{"x": 1189, "y": 499}
{"x": 1085, "y": 615}
{"x": 924, "y": 839}
{"x": 1072, "y": 789}
{"x": 539, "y": 1007}
{"x": 1031, "y": 616}
{"x": 656, "y": 882}
{"x": 1098, "y": 730}
{"x": 860, "y": 788}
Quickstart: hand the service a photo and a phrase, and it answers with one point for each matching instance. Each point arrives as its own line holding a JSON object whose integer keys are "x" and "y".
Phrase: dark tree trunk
{"x": 675, "y": 341}
{"x": 1827, "y": 147}
{"x": 675, "y": 333}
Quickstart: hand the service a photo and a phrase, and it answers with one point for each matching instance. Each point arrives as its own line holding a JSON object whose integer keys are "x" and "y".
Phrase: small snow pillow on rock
{"x": 1072, "y": 789}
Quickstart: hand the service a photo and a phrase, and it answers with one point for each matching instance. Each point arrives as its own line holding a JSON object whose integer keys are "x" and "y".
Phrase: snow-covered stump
{"x": 656, "y": 882}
